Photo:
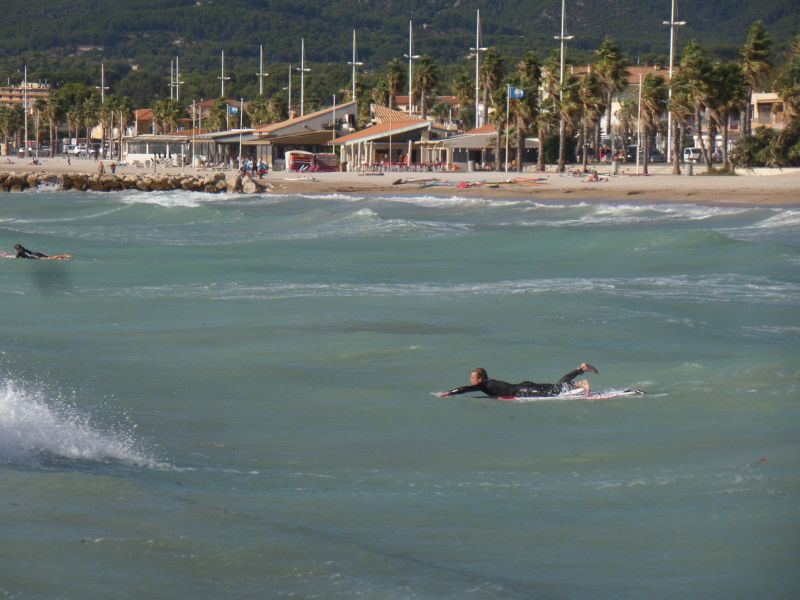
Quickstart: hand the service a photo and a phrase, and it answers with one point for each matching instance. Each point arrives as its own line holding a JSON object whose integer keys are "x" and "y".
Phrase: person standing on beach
{"x": 101, "y": 169}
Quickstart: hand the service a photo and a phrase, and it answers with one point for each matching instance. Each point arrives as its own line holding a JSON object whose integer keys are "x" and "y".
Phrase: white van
{"x": 692, "y": 155}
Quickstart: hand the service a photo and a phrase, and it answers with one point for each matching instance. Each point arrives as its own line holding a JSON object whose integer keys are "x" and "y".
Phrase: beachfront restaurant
{"x": 396, "y": 145}
{"x": 314, "y": 132}
{"x": 165, "y": 149}
{"x": 475, "y": 149}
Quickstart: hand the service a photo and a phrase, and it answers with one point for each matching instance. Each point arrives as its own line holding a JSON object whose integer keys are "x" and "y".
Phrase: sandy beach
{"x": 766, "y": 187}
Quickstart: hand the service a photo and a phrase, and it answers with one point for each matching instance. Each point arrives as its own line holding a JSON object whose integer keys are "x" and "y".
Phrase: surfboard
{"x": 574, "y": 395}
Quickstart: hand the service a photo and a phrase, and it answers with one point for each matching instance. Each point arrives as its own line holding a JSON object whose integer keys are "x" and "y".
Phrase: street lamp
{"x": 261, "y": 75}
{"x": 563, "y": 38}
{"x": 410, "y": 56}
{"x": 476, "y": 53}
{"x": 303, "y": 70}
{"x": 355, "y": 64}
{"x": 672, "y": 25}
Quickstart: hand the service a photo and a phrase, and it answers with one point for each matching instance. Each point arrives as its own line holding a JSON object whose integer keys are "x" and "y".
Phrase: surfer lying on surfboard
{"x": 480, "y": 382}
{"x": 22, "y": 252}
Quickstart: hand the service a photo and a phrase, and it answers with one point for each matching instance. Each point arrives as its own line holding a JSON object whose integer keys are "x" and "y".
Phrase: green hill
{"x": 65, "y": 40}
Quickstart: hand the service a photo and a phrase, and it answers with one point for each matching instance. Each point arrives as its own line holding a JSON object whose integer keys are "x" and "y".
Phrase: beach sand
{"x": 765, "y": 187}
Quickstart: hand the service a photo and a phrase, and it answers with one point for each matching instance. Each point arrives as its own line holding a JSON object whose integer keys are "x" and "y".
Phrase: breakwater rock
{"x": 213, "y": 183}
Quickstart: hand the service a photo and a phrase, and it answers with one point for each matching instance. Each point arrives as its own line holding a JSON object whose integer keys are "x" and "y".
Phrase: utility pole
{"x": 672, "y": 25}
{"x": 178, "y": 81}
{"x": 102, "y": 87}
{"x": 25, "y": 107}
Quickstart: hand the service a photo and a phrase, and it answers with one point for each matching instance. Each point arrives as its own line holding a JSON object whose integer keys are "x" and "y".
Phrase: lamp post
{"x": 261, "y": 75}
{"x": 411, "y": 57}
{"x": 288, "y": 88}
{"x": 222, "y": 77}
{"x": 563, "y": 38}
{"x": 355, "y": 65}
{"x": 672, "y": 25}
{"x": 25, "y": 107}
{"x": 303, "y": 70}
{"x": 476, "y": 52}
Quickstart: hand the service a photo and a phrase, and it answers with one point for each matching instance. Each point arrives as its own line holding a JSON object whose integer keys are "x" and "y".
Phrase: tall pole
{"x": 508, "y": 109}
{"x": 303, "y": 70}
{"x": 639, "y": 125}
{"x": 222, "y": 77}
{"x": 261, "y": 74}
{"x": 178, "y": 81}
{"x": 563, "y": 38}
{"x": 477, "y": 49}
{"x": 411, "y": 56}
{"x": 171, "y": 79}
{"x": 672, "y": 25}
{"x": 241, "y": 125}
{"x": 355, "y": 64}
{"x": 25, "y": 107}
{"x": 290, "y": 91}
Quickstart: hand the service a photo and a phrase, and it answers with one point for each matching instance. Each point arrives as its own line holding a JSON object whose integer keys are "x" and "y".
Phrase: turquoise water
{"x": 231, "y": 398}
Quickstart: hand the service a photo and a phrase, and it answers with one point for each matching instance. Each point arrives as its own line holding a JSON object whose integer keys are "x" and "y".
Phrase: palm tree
{"x": 38, "y": 117}
{"x": 612, "y": 69}
{"x": 258, "y": 111}
{"x": 461, "y": 88}
{"x": 395, "y": 79}
{"x": 9, "y": 123}
{"x": 491, "y": 72}
{"x": 569, "y": 108}
{"x": 89, "y": 111}
{"x": 54, "y": 113}
{"x": 592, "y": 106}
{"x": 426, "y": 78}
{"x": 124, "y": 116}
{"x": 548, "y": 120}
{"x": 217, "y": 115}
{"x": 380, "y": 93}
{"x": 73, "y": 117}
{"x": 787, "y": 83}
{"x": 525, "y": 109}
{"x": 730, "y": 96}
{"x": 654, "y": 105}
{"x": 696, "y": 67}
{"x": 106, "y": 115}
{"x": 756, "y": 65}
{"x": 681, "y": 106}
{"x": 498, "y": 116}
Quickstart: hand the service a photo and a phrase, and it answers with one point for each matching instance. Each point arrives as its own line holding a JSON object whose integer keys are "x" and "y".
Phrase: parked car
{"x": 655, "y": 155}
{"x": 692, "y": 155}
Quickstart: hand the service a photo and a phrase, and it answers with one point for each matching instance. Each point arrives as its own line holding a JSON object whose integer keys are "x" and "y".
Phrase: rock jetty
{"x": 213, "y": 183}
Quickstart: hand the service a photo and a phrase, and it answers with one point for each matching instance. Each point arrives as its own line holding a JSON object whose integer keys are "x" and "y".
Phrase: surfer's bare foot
{"x": 587, "y": 367}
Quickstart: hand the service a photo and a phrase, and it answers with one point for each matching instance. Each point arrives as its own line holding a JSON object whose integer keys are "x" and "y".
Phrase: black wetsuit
{"x": 25, "y": 253}
{"x": 495, "y": 387}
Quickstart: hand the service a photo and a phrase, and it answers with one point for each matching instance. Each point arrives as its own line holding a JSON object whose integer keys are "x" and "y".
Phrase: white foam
{"x": 172, "y": 198}
{"x": 33, "y": 425}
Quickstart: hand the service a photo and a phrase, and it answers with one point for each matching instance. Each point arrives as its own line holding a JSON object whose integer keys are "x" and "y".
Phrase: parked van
{"x": 692, "y": 155}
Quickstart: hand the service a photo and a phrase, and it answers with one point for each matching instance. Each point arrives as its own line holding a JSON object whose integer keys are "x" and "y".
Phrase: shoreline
{"x": 761, "y": 187}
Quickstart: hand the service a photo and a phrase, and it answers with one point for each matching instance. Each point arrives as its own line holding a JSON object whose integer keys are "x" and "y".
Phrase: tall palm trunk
{"x": 698, "y": 126}
{"x": 676, "y": 147}
{"x": 540, "y": 159}
{"x": 562, "y": 145}
{"x": 520, "y": 143}
{"x": 725, "y": 131}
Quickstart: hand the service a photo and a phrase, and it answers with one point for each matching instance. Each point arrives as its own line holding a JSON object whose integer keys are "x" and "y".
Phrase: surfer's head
{"x": 478, "y": 376}
{"x": 17, "y": 247}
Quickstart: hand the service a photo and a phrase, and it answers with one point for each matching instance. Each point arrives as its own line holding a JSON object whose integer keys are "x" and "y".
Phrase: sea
{"x": 233, "y": 397}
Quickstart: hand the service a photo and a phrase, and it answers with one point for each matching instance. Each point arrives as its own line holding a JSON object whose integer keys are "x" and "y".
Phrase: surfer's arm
{"x": 460, "y": 390}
